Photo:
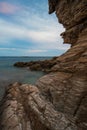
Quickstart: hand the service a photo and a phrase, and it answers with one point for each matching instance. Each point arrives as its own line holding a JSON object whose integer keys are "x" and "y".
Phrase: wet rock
{"x": 45, "y": 65}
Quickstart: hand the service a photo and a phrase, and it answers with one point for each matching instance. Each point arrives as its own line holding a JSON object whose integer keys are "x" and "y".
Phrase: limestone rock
{"x": 30, "y": 111}
{"x": 58, "y": 101}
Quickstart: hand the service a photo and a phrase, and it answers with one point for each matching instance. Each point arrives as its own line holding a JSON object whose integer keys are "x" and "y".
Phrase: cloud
{"x": 11, "y": 31}
{"x": 7, "y": 8}
{"x": 36, "y": 51}
{"x": 3, "y": 49}
{"x": 32, "y": 27}
{"x": 24, "y": 51}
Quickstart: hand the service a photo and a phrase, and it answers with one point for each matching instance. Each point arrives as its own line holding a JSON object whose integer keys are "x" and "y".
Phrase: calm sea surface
{"x": 10, "y": 74}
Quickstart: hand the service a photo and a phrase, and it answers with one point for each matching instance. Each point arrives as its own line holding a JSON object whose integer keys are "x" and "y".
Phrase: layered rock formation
{"x": 24, "y": 108}
{"x": 59, "y": 99}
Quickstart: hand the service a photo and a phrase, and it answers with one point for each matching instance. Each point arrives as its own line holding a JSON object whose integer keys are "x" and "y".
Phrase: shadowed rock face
{"x": 73, "y": 15}
{"x": 59, "y": 99}
{"x": 52, "y": 5}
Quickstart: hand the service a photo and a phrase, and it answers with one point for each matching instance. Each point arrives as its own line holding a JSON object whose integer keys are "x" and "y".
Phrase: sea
{"x": 10, "y": 74}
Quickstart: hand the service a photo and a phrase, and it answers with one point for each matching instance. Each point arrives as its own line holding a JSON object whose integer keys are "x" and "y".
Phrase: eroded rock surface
{"x": 59, "y": 99}
{"x": 26, "y": 109}
{"x": 44, "y": 65}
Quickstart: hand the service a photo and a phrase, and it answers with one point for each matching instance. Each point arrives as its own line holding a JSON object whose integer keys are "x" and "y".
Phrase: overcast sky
{"x": 26, "y": 29}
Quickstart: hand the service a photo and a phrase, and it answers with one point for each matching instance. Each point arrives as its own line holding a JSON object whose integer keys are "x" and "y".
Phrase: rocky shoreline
{"x": 58, "y": 101}
{"x": 44, "y": 65}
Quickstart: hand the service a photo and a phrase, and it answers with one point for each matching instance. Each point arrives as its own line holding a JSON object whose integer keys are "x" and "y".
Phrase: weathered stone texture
{"x": 59, "y": 99}
{"x": 26, "y": 109}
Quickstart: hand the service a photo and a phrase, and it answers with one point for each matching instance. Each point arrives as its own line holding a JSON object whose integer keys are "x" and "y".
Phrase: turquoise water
{"x": 10, "y": 74}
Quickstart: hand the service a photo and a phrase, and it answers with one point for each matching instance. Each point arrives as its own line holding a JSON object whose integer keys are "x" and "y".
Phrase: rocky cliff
{"x": 59, "y": 99}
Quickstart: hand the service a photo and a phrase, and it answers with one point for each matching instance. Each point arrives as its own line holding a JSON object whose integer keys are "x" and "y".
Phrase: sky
{"x": 26, "y": 29}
